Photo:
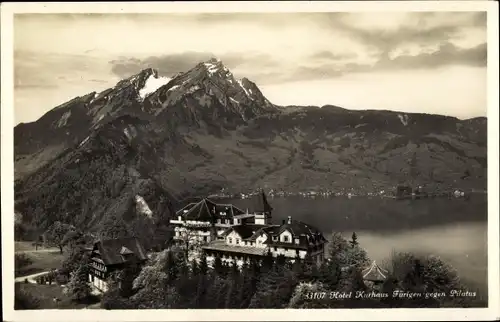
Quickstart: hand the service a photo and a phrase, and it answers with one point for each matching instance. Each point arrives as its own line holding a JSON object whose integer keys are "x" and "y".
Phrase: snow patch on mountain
{"x": 64, "y": 119}
{"x": 152, "y": 84}
{"x": 173, "y": 87}
{"x": 142, "y": 207}
{"x": 403, "y": 119}
{"x": 211, "y": 68}
{"x": 243, "y": 87}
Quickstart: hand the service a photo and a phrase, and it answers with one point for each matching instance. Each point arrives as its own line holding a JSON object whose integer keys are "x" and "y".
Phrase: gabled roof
{"x": 298, "y": 228}
{"x": 374, "y": 273}
{"x": 307, "y": 235}
{"x": 112, "y": 250}
{"x": 261, "y": 204}
{"x": 185, "y": 209}
{"x": 207, "y": 210}
{"x": 245, "y": 231}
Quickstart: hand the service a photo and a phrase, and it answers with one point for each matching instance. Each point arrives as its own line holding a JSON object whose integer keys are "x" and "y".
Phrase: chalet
{"x": 244, "y": 242}
{"x": 205, "y": 220}
{"x": 109, "y": 255}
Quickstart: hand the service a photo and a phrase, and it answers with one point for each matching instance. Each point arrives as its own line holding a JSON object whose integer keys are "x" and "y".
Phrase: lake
{"x": 454, "y": 229}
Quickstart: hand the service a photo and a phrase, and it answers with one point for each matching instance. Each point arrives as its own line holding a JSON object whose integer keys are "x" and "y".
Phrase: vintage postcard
{"x": 299, "y": 161}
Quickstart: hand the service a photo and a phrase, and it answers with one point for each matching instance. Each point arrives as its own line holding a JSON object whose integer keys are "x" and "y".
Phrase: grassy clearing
{"x": 46, "y": 294}
{"x": 27, "y": 246}
{"x": 41, "y": 262}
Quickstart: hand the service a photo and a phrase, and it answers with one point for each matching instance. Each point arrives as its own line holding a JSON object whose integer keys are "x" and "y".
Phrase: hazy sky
{"x": 415, "y": 62}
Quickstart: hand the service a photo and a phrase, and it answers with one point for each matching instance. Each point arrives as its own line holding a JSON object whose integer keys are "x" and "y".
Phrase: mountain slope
{"x": 163, "y": 140}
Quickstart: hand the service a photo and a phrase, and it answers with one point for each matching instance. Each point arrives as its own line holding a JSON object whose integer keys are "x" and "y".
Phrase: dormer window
{"x": 285, "y": 239}
{"x": 237, "y": 241}
{"x": 126, "y": 253}
{"x": 297, "y": 241}
{"x": 230, "y": 240}
{"x": 275, "y": 238}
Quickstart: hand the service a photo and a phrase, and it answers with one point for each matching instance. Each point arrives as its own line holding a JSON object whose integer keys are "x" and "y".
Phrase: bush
{"x": 21, "y": 261}
{"x": 24, "y": 300}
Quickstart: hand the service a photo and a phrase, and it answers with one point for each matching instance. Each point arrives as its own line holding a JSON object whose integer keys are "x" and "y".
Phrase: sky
{"x": 424, "y": 62}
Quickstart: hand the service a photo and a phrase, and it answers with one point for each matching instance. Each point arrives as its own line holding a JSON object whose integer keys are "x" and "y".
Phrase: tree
{"x": 73, "y": 238}
{"x": 249, "y": 279}
{"x": 274, "y": 289}
{"x": 203, "y": 267}
{"x": 354, "y": 240}
{"x": 346, "y": 254}
{"x": 429, "y": 274}
{"x": 190, "y": 240}
{"x": 218, "y": 266}
{"x": 114, "y": 227}
{"x": 300, "y": 298}
{"x": 170, "y": 267}
{"x": 74, "y": 258}
{"x": 54, "y": 235}
{"x": 78, "y": 287}
{"x": 330, "y": 274}
{"x": 234, "y": 284}
{"x": 414, "y": 166}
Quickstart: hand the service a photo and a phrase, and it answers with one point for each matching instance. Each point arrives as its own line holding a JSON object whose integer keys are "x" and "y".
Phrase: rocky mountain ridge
{"x": 162, "y": 140}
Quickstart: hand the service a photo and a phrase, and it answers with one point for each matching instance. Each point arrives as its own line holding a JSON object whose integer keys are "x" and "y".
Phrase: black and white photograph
{"x": 209, "y": 156}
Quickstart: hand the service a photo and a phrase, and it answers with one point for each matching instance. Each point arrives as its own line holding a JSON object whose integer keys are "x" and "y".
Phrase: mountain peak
{"x": 148, "y": 72}
{"x": 214, "y": 60}
{"x": 215, "y": 65}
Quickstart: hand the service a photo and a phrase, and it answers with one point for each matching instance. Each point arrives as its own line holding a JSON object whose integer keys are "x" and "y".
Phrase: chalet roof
{"x": 299, "y": 228}
{"x": 111, "y": 250}
{"x": 208, "y": 211}
{"x": 268, "y": 229}
{"x": 245, "y": 231}
{"x": 260, "y": 203}
{"x": 374, "y": 273}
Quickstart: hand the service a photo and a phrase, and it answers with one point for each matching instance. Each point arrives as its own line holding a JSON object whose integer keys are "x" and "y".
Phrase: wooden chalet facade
{"x": 110, "y": 255}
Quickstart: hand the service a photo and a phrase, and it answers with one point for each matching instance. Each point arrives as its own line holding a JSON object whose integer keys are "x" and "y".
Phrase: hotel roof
{"x": 209, "y": 211}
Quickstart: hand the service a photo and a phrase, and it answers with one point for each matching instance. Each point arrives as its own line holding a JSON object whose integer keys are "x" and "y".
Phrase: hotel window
{"x": 296, "y": 241}
{"x": 230, "y": 240}
{"x": 237, "y": 241}
{"x": 275, "y": 249}
{"x": 297, "y": 252}
{"x": 275, "y": 238}
{"x": 285, "y": 238}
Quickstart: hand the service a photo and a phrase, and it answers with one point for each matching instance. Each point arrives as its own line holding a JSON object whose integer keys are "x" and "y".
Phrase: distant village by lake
{"x": 396, "y": 192}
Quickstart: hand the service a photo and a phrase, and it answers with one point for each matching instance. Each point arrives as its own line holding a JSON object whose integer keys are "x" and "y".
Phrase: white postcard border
{"x": 7, "y": 122}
